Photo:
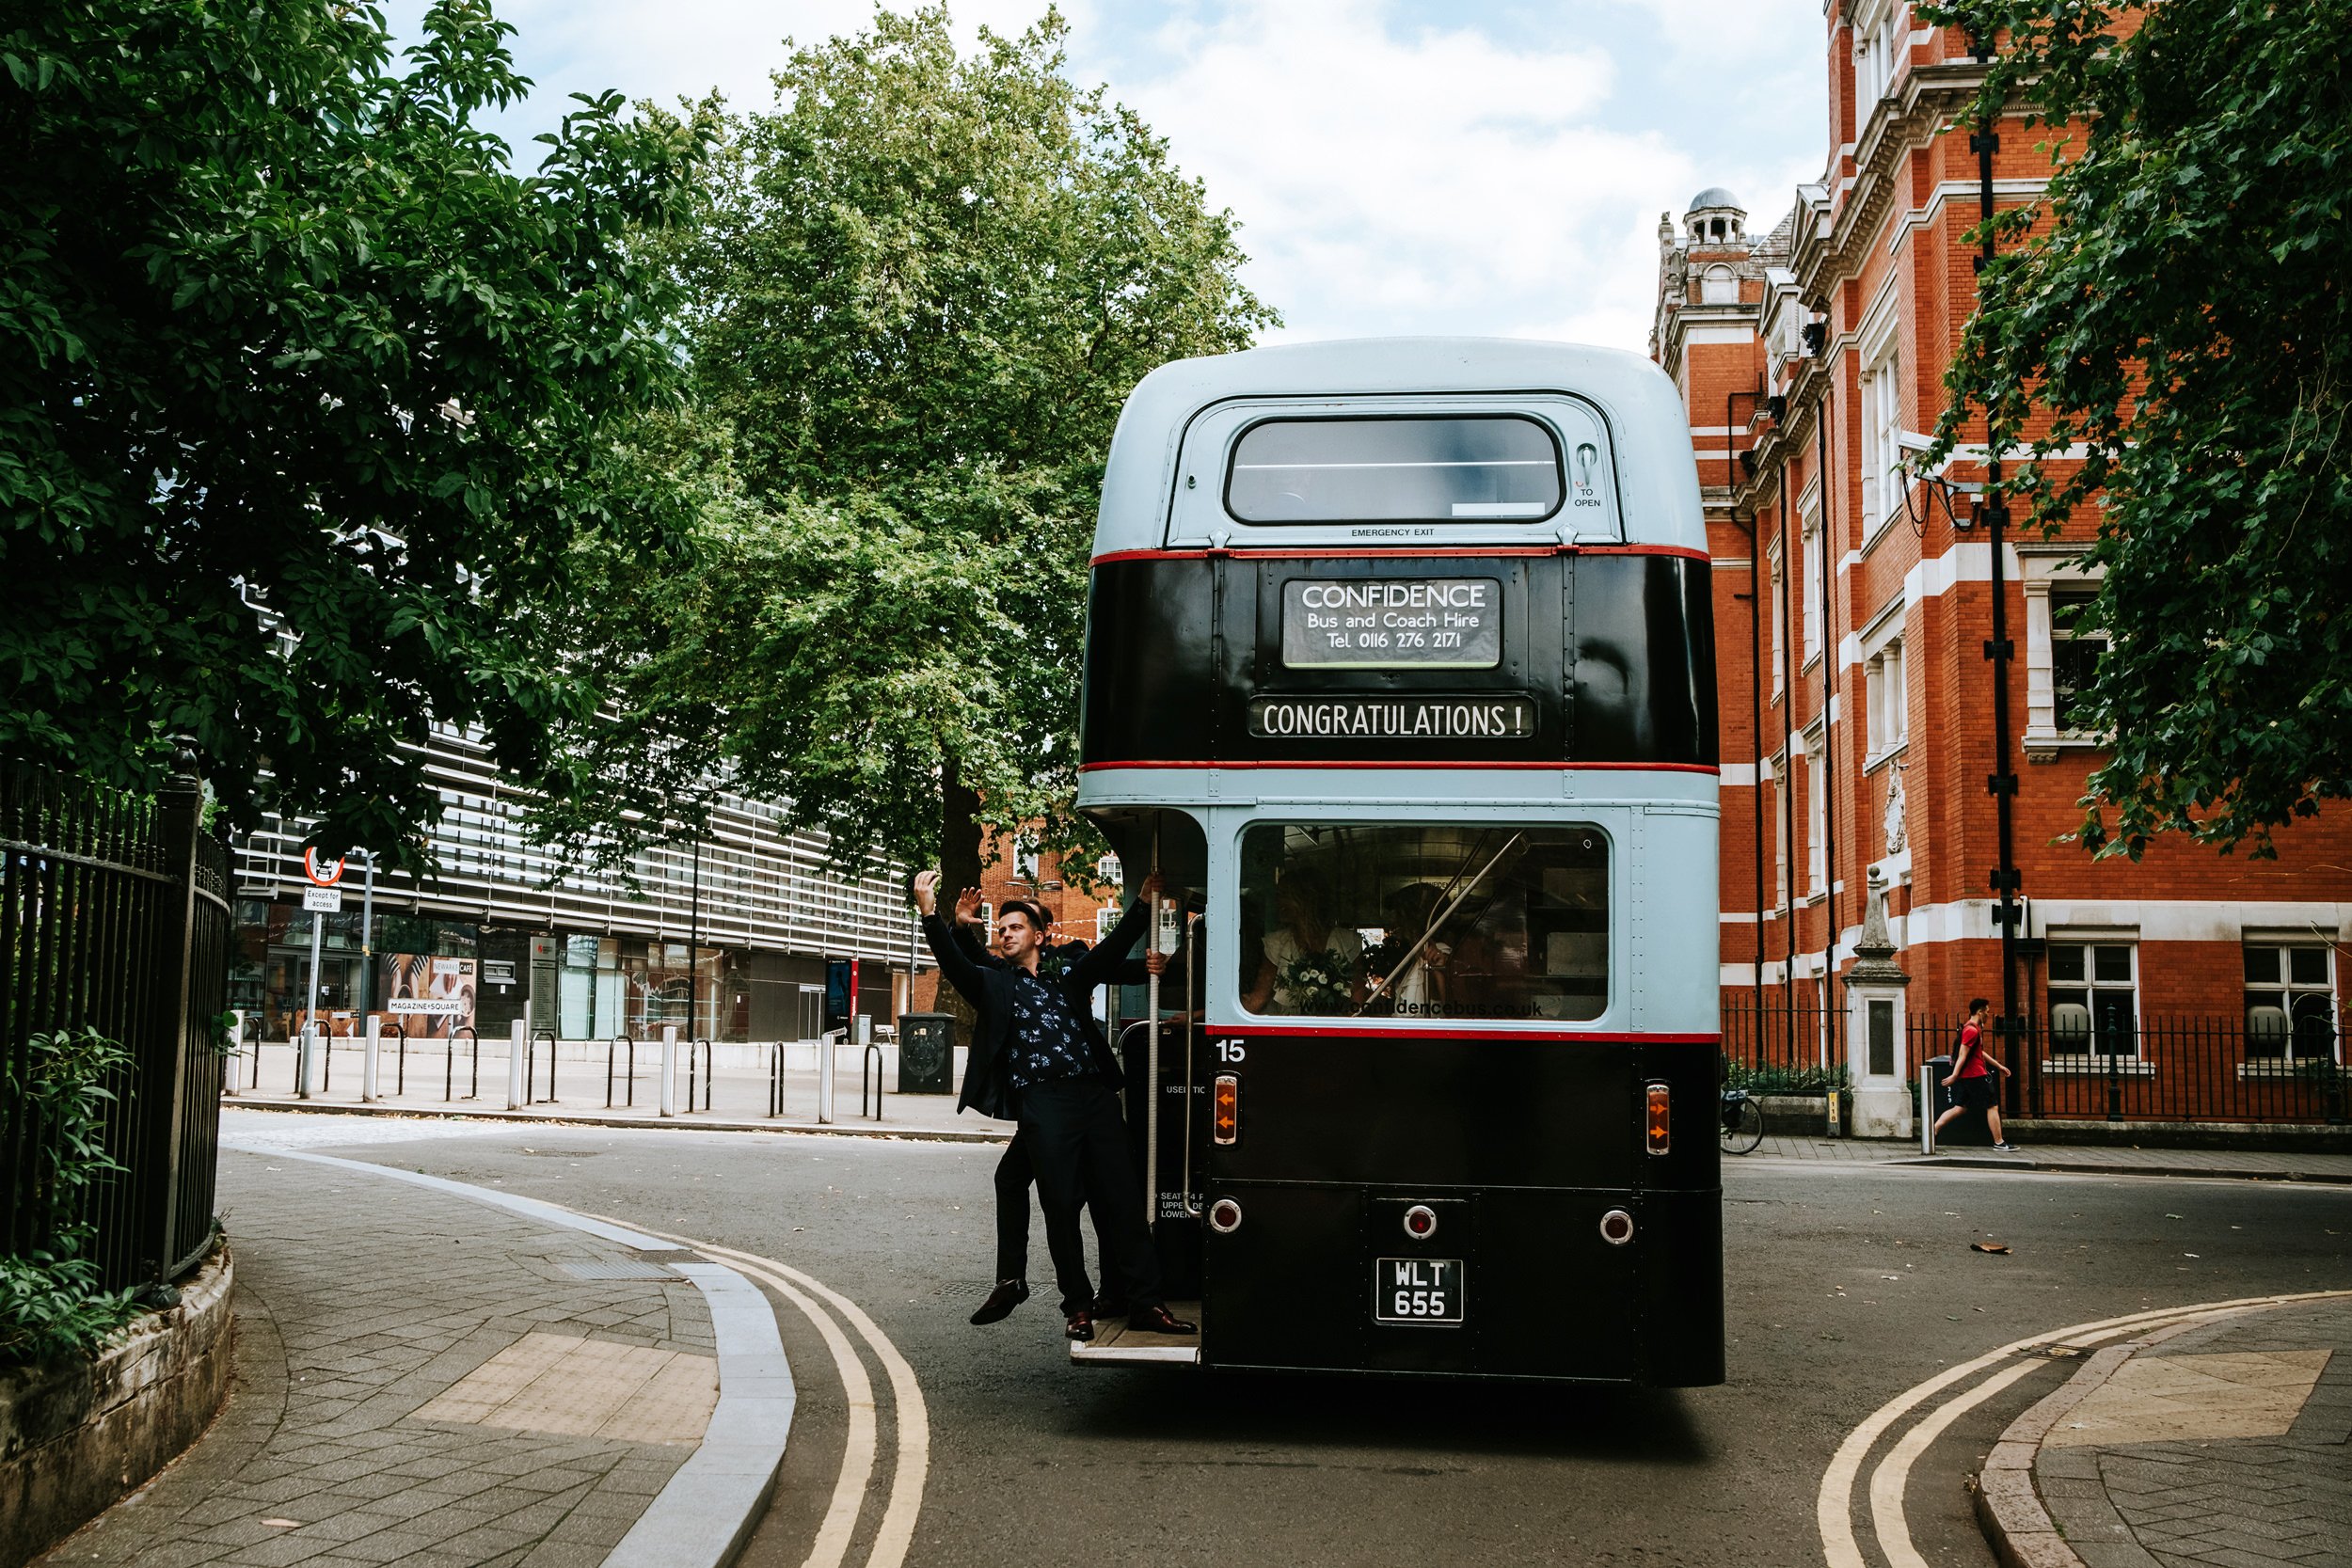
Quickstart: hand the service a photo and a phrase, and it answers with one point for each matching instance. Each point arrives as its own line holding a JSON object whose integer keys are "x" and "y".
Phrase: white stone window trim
{"x": 2043, "y": 572}
{"x": 2088, "y": 938}
{"x": 1883, "y": 656}
{"x": 1811, "y": 610}
{"x": 2288, "y": 1063}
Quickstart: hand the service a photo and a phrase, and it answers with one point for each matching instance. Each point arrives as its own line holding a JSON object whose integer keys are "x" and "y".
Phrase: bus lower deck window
{"x": 1393, "y": 920}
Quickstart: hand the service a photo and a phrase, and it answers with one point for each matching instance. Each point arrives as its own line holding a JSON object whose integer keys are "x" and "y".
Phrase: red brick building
{"x": 1850, "y": 625}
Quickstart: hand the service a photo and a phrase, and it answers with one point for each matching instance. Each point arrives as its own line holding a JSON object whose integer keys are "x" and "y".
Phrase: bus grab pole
{"x": 1151, "y": 1055}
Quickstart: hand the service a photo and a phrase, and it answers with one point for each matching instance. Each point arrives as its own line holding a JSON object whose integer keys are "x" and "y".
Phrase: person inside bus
{"x": 1411, "y": 973}
{"x": 1305, "y": 933}
{"x": 1015, "y": 1172}
{"x": 1038, "y": 1057}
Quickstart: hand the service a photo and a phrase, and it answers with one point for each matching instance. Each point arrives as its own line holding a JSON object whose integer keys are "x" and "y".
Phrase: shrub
{"x": 52, "y": 1305}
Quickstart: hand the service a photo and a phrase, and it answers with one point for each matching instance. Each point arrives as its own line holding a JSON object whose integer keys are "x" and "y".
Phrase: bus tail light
{"x": 1225, "y": 1216}
{"x": 1225, "y": 1108}
{"x": 1661, "y": 1120}
{"x": 1616, "y": 1227}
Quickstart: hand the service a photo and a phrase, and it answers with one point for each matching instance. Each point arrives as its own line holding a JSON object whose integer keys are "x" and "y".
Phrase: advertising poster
{"x": 432, "y": 998}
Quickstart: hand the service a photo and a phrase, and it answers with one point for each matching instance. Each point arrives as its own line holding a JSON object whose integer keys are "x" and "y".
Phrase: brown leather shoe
{"x": 1008, "y": 1294}
{"x": 1080, "y": 1326}
{"x": 1159, "y": 1319}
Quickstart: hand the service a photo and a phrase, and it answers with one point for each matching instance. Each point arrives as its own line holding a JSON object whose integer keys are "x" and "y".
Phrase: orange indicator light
{"x": 1225, "y": 1108}
{"x": 1661, "y": 1120}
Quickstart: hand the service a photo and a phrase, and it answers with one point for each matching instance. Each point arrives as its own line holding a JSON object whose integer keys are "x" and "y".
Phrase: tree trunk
{"x": 958, "y": 868}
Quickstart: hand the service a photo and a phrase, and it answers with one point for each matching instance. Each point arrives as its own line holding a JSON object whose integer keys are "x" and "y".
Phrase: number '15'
{"x": 1230, "y": 1050}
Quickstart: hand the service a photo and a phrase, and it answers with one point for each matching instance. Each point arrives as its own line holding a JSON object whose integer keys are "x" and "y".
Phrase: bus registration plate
{"x": 1417, "y": 1290}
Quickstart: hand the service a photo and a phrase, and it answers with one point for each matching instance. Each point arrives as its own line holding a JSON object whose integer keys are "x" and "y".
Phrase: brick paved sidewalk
{"x": 2223, "y": 1445}
{"x": 426, "y": 1381}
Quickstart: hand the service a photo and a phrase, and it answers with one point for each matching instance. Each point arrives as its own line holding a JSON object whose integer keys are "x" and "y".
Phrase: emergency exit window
{"x": 1469, "y": 469}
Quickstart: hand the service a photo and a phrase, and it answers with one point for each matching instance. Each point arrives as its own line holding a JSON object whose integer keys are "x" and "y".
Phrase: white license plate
{"x": 1417, "y": 1290}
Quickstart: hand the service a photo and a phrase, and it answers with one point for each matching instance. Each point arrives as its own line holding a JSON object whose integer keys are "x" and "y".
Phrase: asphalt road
{"x": 1846, "y": 1285}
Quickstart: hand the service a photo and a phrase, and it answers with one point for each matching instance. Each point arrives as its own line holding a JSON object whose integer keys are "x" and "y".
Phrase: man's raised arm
{"x": 960, "y": 971}
{"x": 1105, "y": 958}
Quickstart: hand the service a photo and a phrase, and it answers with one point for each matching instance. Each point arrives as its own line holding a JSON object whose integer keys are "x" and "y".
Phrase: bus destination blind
{"x": 1427, "y": 623}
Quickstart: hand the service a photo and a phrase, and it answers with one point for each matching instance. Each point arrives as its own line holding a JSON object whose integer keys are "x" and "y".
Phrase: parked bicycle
{"x": 1742, "y": 1124}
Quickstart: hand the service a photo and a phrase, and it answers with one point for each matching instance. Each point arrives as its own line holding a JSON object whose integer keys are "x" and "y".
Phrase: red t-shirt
{"x": 1969, "y": 1035}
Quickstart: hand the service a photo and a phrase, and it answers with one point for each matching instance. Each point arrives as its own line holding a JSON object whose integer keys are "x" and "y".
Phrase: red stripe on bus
{"x": 1450, "y": 552}
{"x": 1555, "y": 767}
{"x": 1316, "y": 1031}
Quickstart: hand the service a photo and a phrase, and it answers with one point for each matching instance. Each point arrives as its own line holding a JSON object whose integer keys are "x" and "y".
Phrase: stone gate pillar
{"x": 1875, "y": 1028}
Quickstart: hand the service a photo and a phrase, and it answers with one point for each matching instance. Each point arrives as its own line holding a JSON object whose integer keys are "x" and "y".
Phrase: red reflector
{"x": 1661, "y": 1120}
{"x": 1225, "y": 1109}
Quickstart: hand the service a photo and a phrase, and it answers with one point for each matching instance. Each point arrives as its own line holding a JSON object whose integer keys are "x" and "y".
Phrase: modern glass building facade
{"x": 722, "y": 936}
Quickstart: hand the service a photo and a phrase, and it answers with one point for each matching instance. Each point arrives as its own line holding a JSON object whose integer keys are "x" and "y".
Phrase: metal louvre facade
{"x": 744, "y": 889}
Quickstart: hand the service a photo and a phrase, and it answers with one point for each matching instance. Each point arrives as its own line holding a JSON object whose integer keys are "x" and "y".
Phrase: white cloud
{"x": 1398, "y": 165}
{"x": 1435, "y": 180}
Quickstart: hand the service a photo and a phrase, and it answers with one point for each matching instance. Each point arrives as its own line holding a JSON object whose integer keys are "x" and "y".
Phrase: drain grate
{"x": 627, "y": 1268}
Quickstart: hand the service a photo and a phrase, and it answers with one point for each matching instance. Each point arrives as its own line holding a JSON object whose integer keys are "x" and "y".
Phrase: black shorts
{"x": 1976, "y": 1094}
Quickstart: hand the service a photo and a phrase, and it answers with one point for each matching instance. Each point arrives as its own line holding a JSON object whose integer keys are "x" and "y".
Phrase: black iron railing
{"x": 2170, "y": 1068}
{"x": 114, "y": 915}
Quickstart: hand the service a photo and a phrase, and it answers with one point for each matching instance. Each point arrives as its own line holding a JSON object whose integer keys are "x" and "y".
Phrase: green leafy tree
{"x": 923, "y": 288}
{"x": 2178, "y": 306}
{"x": 286, "y": 345}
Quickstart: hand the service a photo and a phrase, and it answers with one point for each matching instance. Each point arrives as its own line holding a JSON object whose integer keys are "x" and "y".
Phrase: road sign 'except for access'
{"x": 326, "y": 900}
{"x": 325, "y": 876}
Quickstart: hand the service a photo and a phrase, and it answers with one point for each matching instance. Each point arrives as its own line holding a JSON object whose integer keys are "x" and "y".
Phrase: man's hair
{"x": 1978, "y": 1003}
{"x": 1037, "y": 921}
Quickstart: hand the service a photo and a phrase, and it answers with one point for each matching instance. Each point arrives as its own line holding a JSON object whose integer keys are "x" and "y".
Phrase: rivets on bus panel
{"x": 1616, "y": 1227}
{"x": 1225, "y": 1216}
{"x": 1421, "y": 1222}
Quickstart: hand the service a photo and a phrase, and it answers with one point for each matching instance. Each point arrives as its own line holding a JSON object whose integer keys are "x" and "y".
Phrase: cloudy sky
{"x": 1397, "y": 166}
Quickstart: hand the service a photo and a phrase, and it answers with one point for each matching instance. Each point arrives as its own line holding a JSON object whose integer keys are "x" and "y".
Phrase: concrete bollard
{"x": 367, "y": 1061}
{"x": 669, "y": 1069}
{"x": 517, "y": 1042}
{"x": 824, "y": 1078}
{"x": 1926, "y": 1109}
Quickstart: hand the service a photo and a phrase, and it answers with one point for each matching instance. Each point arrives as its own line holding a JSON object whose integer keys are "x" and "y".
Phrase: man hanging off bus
{"x": 1039, "y": 1058}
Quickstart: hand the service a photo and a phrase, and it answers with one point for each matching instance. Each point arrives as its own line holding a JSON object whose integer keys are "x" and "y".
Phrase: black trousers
{"x": 1015, "y": 1176}
{"x": 1077, "y": 1144}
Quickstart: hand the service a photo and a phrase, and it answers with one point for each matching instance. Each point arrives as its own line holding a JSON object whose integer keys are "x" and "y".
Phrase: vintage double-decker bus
{"x": 1399, "y": 658}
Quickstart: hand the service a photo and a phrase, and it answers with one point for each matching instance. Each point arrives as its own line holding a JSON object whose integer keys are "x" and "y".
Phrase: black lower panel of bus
{"x": 1504, "y": 1283}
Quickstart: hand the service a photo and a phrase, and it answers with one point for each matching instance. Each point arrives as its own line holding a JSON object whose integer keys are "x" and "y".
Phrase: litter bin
{"x": 927, "y": 1053}
{"x": 1969, "y": 1131}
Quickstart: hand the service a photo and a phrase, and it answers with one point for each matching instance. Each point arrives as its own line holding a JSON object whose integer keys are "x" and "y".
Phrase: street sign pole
{"x": 367, "y": 936}
{"x": 302, "y": 1050}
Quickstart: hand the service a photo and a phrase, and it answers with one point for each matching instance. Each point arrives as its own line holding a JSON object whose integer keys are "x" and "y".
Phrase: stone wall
{"x": 77, "y": 1438}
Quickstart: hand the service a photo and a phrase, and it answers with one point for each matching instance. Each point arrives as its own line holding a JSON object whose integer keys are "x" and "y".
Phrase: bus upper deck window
{"x": 1460, "y": 469}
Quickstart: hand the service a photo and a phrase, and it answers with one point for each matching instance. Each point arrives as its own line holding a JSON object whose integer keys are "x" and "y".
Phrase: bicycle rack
{"x": 400, "y": 1058}
{"x": 326, "y": 1061}
{"x": 710, "y": 1071}
{"x": 532, "y": 1051}
{"x": 616, "y": 1044}
{"x": 873, "y": 1059}
{"x": 449, "y": 1064}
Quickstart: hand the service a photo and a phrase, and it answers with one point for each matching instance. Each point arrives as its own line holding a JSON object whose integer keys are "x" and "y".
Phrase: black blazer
{"x": 986, "y": 1088}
